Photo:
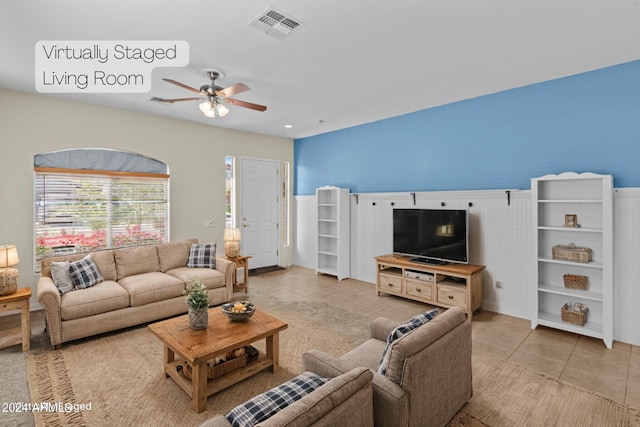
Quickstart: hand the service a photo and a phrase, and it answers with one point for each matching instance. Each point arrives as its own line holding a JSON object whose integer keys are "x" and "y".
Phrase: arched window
{"x": 91, "y": 199}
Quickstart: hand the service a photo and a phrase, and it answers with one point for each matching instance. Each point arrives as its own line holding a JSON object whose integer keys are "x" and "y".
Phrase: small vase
{"x": 199, "y": 318}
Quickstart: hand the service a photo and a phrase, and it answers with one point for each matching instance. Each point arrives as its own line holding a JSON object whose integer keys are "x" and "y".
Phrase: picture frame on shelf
{"x": 571, "y": 221}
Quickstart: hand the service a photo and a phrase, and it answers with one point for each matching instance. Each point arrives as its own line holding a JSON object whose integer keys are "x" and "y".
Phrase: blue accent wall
{"x": 584, "y": 123}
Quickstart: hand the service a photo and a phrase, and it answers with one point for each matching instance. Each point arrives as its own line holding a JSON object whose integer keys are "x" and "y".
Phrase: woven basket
{"x": 575, "y": 281}
{"x": 220, "y": 369}
{"x": 574, "y": 313}
{"x": 215, "y": 371}
{"x": 571, "y": 253}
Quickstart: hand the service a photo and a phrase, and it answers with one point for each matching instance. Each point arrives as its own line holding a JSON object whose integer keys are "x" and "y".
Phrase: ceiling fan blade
{"x": 232, "y": 90}
{"x": 182, "y": 85}
{"x": 171, "y": 101}
{"x": 245, "y": 104}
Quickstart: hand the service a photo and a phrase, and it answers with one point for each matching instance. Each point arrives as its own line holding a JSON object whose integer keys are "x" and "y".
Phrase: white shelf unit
{"x": 590, "y": 197}
{"x": 333, "y": 231}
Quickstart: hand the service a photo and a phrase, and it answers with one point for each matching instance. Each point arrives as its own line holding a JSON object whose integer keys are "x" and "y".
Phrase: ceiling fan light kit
{"x": 211, "y": 108}
{"x": 213, "y": 95}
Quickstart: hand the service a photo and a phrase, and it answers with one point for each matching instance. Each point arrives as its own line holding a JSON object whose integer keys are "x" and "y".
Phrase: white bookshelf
{"x": 590, "y": 197}
{"x": 332, "y": 255}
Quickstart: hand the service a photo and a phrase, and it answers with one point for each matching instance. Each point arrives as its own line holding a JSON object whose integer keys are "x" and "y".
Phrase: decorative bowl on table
{"x": 239, "y": 310}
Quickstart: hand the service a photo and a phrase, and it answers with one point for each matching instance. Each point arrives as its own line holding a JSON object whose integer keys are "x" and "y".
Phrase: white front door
{"x": 259, "y": 217}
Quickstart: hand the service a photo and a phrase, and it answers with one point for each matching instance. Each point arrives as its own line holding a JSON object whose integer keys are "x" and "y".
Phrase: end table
{"x": 18, "y": 300}
{"x": 241, "y": 261}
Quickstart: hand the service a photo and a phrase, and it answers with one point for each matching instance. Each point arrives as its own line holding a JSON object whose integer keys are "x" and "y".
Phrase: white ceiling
{"x": 353, "y": 62}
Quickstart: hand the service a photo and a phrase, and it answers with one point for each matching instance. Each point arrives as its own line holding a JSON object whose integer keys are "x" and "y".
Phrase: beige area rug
{"x": 120, "y": 376}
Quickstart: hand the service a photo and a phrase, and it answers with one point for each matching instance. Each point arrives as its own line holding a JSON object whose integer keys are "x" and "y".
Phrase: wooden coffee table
{"x": 196, "y": 347}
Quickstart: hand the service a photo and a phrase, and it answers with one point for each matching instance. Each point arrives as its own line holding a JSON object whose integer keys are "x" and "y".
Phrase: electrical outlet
{"x": 209, "y": 222}
{"x": 498, "y": 285}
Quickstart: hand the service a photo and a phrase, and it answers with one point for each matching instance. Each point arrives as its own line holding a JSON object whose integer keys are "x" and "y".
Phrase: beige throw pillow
{"x": 61, "y": 276}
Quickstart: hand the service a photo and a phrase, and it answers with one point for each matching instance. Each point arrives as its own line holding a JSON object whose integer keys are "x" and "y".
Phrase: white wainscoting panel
{"x": 500, "y": 238}
{"x": 626, "y": 265}
{"x": 305, "y": 228}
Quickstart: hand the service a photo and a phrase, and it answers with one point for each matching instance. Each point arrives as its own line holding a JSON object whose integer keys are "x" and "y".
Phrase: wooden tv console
{"x": 441, "y": 285}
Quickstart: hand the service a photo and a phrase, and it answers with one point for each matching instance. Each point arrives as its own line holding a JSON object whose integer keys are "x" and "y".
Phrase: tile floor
{"x": 582, "y": 361}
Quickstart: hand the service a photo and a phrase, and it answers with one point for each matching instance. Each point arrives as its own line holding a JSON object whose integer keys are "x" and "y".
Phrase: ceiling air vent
{"x": 275, "y": 23}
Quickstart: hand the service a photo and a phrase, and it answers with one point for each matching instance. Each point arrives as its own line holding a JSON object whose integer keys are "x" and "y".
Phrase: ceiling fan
{"x": 214, "y": 96}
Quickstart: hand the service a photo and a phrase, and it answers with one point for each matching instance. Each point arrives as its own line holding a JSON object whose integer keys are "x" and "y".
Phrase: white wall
{"x": 500, "y": 238}
{"x": 31, "y": 124}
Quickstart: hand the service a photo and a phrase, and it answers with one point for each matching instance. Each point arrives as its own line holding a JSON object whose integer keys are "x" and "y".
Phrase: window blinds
{"x": 86, "y": 210}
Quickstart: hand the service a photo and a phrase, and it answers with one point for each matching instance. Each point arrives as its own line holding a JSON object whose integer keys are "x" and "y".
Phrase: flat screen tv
{"x": 432, "y": 236}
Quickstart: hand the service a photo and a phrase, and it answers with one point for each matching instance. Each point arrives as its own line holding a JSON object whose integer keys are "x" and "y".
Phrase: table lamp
{"x": 8, "y": 275}
{"x": 232, "y": 242}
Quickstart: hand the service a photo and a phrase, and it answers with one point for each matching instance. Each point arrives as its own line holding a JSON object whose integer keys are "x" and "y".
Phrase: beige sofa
{"x": 141, "y": 284}
{"x": 428, "y": 378}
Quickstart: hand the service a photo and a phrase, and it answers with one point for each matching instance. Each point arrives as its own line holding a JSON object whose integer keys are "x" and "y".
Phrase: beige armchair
{"x": 429, "y": 374}
{"x": 345, "y": 401}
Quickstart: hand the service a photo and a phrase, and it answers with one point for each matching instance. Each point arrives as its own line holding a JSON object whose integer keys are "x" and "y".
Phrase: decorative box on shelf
{"x": 575, "y": 281}
{"x": 571, "y": 252}
{"x": 575, "y": 313}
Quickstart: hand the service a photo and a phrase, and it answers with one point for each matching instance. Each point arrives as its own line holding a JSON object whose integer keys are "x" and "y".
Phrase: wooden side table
{"x": 241, "y": 262}
{"x": 18, "y": 300}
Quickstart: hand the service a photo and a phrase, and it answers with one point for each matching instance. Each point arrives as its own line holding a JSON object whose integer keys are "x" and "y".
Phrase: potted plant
{"x": 198, "y": 303}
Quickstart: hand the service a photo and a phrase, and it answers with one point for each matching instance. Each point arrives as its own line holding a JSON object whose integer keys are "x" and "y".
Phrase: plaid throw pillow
{"x": 401, "y": 331}
{"x": 84, "y": 273}
{"x": 202, "y": 255}
{"x": 265, "y": 405}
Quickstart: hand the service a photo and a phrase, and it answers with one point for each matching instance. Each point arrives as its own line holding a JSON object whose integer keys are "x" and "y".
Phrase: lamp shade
{"x": 8, "y": 256}
{"x": 232, "y": 235}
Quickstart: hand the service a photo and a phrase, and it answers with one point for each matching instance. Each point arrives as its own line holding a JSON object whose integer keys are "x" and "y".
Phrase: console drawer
{"x": 419, "y": 288}
{"x": 390, "y": 283}
{"x": 450, "y": 295}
